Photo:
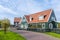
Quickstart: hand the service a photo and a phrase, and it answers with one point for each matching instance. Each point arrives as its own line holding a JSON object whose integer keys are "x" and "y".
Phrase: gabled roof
{"x": 35, "y": 16}
{"x": 17, "y": 19}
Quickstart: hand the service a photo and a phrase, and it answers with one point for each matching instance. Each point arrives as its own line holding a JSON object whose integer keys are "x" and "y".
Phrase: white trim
{"x": 24, "y": 26}
{"x": 50, "y": 15}
{"x": 26, "y": 19}
{"x": 20, "y": 21}
{"x": 30, "y": 18}
{"x": 21, "y": 26}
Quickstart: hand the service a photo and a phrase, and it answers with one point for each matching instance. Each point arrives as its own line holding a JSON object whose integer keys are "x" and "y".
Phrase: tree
{"x": 5, "y": 23}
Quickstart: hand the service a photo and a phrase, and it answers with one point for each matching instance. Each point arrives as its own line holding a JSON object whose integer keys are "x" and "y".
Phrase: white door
{"x": 26, "y": 26}
{"x": 22, "y": 26}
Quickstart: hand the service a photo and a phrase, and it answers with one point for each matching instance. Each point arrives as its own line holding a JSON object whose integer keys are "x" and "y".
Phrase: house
{"x": 45, "y": 20}
{"x": 17, "y": 20}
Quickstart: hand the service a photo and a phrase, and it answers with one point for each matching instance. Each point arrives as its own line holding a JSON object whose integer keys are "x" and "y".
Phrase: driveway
{"x": 34, "y": 35}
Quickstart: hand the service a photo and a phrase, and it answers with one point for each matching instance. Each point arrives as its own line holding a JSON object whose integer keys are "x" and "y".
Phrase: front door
{"x": 22, "y": 26}
{"x": 25, "y": 26}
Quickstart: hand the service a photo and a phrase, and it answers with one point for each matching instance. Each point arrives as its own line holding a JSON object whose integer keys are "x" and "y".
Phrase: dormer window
{"x": 44, "y": 16}
{"x": 41, "y": 17}
{"x": 31, "y": 18}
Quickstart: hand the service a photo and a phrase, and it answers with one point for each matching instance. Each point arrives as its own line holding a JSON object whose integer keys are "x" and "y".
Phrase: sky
{"x": 18, "y": 8}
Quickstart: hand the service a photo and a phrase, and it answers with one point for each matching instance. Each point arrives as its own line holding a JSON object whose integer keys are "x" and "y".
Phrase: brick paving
{"x": 34, "y": 35}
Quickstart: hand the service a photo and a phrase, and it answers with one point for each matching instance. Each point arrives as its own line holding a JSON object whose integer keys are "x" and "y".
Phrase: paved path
{"x": 34, "y": 35}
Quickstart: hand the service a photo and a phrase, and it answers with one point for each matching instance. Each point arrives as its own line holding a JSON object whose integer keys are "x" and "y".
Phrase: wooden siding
{"x": 36, "y": 25}
{"x": 58, "y": 25}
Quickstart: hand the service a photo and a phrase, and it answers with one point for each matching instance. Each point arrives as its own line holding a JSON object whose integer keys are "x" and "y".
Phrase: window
{"x": 43, "y": 26}
{"x": 51, "y": 26}
{"x": 53, "y": 18}
{"x": 31, "y": 18}
{"x": 41, "y": 17}
{"x": 44, "y": 16}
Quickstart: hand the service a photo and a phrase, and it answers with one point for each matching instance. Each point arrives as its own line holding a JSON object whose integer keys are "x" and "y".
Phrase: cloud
{"x": 10, "y": 17}
{"x": 7, "y": 10}
{"x": 29, "y": 6}
{"x": 23, "y": 7}
{"x": 5, "y": 0}
{"x": 7, "y": 13}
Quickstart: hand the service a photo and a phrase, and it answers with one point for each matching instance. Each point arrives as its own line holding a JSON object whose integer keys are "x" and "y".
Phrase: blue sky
{"x": 18, "y": 8}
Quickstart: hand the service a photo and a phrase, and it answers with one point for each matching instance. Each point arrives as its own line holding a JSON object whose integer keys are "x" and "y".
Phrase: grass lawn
{"x": 53, "y": 34}
{"x": 10, "y": 36}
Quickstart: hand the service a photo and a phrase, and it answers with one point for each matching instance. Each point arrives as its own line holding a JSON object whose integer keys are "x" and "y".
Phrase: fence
{"x": 38, "y": 29}
{"x": 56, "y": 30}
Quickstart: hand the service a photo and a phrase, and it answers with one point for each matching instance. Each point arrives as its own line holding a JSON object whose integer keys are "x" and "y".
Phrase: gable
{"x": 24, "y": 20}
{"x": 52, "y": 17}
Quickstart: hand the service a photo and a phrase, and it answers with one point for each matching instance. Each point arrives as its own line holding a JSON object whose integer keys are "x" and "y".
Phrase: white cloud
{"x": 57, "y": 8}
{"x": 5, "y": 16}
{"x": 29, "y": 6}
{"x": 5, "y": 0}
{"x": 4, "y": 9}
{"x": 55, "y": 1}
{"x": 24, "y": 7}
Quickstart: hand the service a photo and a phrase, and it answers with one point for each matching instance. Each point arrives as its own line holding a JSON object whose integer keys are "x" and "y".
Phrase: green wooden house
{"x": 44, "y": 20}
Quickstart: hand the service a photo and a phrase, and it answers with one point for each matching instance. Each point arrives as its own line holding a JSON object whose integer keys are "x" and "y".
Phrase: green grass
{"x": 53, "y": 34}
{"x": 10, "y": 36}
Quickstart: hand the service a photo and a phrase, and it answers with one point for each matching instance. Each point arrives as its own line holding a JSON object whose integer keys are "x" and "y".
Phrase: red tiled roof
{"x": 17, "y": 19}
{"x": 35, "y": 16}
